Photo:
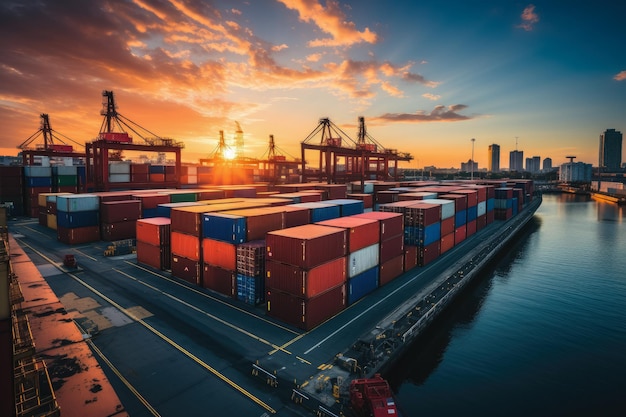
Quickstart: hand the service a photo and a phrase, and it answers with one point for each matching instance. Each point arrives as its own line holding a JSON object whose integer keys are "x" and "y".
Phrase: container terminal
{"x": 291, "y": 297}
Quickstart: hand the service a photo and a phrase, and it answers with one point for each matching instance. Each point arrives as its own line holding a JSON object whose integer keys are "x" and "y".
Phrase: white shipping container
{"x": 119, "y": 177}
{"x": 447, "y": 207}
{"x": 78, "y": 202}
{"x": 363, "y": 259}
{"x": 52, "y": 197}
{"x": 119, "y": 168}
{"x": 191, "y": 179}
{"x": 64, "y": 170}
{"x": 191, "y": 170}
{"x": 481, "y": 208}
{"x": 37, "y": 171}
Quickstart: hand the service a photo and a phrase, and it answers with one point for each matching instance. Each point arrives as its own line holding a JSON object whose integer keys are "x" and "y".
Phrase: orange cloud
{"x": 529, "y": 18}
{"x": 621, "y": 76}
{"x": 433, "y": 97}
{"x": 330, "y": 20}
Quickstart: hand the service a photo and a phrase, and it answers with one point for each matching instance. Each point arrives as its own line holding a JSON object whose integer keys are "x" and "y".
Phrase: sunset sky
{"x": 427, "y": 75}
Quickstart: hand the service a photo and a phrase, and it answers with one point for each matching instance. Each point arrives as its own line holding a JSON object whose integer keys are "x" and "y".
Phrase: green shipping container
{"x": 65, "y": 180}
{"x": 183, "y": 197}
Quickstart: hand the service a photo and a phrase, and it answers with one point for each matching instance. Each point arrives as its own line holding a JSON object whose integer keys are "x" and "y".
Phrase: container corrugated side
{"x": 472, "y": 196}
{"x": 347, "y": 207}
{"x": 305, "y": 313}
{"x": 186, "y": 269}
{"x": 158, "y": 257}
{"x": 447, "y": 207}
{"x": 447, "y": 243}
{"x": 119, "y": 211}
{"x": 391, "y": 248}
{"x": 362, "y": 284}
{"x": 427, "y": 254}
{"x": 447, "y": 226}
{"x": 363, "y": 259}
{"x": 259, "y": 221}
{"x": 360, "y": 232}
{"x": 219, "y": 253}
{"x": 78, "y": 218}
{"x": 118, "y": 230}
{"x": 151, "y": 201}
{"x": 78, "y": 202}
{"x": 188, "y": 219}
{"x": 306, "y": 246}
{"x": 391, "y": 270}
{"x": 460, "y": 233}
{"x": 251, "y": 258}
{"x": 416, "y": 195}
{"x": 155, "y": 231}
{"x": 410, "y": 257}
{"x": 305, "y": 283}
{"x": 78, "y": 235}
{"x": 164, "y": 210}
{"x": 187, "y": 246}
{"x": 481, "y": 208}
{"x": 320, "y": 211}
{"x": 295, "y": 216}
{"x": 460, "y": 200}
{"x": 223, "y": 281}
{"x": 422, "y": 235}
{"x": 391, "y": 224}
{"x": 250, "y": 289}
{"x": 226, "y": 227}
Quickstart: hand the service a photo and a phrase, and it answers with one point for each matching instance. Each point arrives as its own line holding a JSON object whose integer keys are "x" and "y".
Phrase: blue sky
{"x": 427, "y": 75}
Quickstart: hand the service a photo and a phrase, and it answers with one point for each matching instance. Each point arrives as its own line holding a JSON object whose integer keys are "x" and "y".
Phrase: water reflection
{"x": 609, "y": 212}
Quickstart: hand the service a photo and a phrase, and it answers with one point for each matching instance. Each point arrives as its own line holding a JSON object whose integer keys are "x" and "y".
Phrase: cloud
{"x": 529, "y": 18}
{"x": 621, "y": 76}
{"x": 438, "y": 114}
{"x": 330, "y": 20}
{"x": 433, "y": 97}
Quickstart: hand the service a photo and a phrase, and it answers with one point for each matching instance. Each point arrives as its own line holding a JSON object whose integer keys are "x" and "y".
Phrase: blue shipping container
{"x": 472, "y": 213}
{"x": 157, "y": 169}
{"x": 164, "y": 210}
{"x": 460, "y": 218}
{"x": 38, "y": 181}
{"x": 225, "y": 227}
{"x": 348, "y": 207}
{"x": 514, "y": 205}
{"x": 250, "y": 290}
{"x": 321, "y": 211}
{"x": 491, "y": 203}
{"x": 422, "y": 236}
{"x": 76, "y": 219}
{"x": 149, "y": 213}
{"x": 361, "y": 285}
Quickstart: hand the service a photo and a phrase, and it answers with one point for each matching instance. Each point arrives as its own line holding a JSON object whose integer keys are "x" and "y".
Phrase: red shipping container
{"x": 306, "y": 246}
{"x": 118, "y": 230}
{"x": 482, "y": 192}
{"x": 259, "y": 221}
{"x": 367, "y": 199}
{"x": 108, "y": 196}
{"x": 391, "y": 224}
{"x": 67, "y": 189}
{"x": 51, "y": 207}
{"x": 391, "y": 248}
{"x": 139, "y": 168}
{"x": 158, "y": 257}
{"x": 460, "y": 233}
{"x": 302, "y": 282}
{"x": 490, "y": 216}
{"x": 360, "y": 232}
{"x": 186, "y": 269}
{"x": 188, "y": 219}
{"x": 472, "y": 195}
{"x": 481, "y": 222}
{"x": 410, "y": 257}
{"x": 185, "y": 245}
{"x": 219, "y": 253}
{"x": 471, "y": 228}
{"x": 211, "y": 194}
{"x": 305, "y": 313}
{"x": 157, "y": 177}
{"x": 460, "y": 201}
{"x": 152, "y": 200}
{"x": 120, "y": 211}
{"x": 223, "y": 281}
{"x": 387, "y": 196}
{"x": 390, "y": 270}
{"x": 447, "y": 243}
{"x": 427, "y": 254}
{"x": 155, "y": 231}
{"x": 295, "y": 216}
{"x": 447, "y": 226}
{"x": 77, "y": 235}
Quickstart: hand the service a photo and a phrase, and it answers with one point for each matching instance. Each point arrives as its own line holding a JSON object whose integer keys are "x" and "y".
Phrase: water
{"x": 541, "y": 333}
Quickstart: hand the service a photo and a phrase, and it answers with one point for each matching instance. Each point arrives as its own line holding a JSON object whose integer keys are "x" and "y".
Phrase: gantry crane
{"x": 53, "y": 145}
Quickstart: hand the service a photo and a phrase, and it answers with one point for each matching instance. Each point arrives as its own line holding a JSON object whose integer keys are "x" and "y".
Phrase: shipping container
{"x": 386, "y": 196}
{"x": 121, "y": 167}
{"x": 78, "y": 219}
{"x": 37, "y": 171}
{"x": 305, "y": 283}
{"x": 460, "y": 233}
{"x": 391, "y": 224}
{"x": 427, "y": 254}
{"x": 320, "y": 211}
{"x": 185, "y": 245}
{"x": 34, "y": 182}
{"x": 447, "y": 207}
{"x": 188, "y": 219}
{"x": 416, "y": 213}
{"x": 305, "y": 313}
{"x": 447, "y": 226}
{"x": 392, "y": 269}
{"x": 417, "y": 195}
{"x": 226, "y": 227}
{"x": 158, "y": 257}
{"x": 154, "y": 231}
{"x": 295, "y": 216}
{"x": 362, "y": 284}
{"x": 181, "y": 196}
{"x": 471, "y": 228}
{"x": 78, "y": 235}
{"x": 460, "y": 201}
{"x": 447, "y": 243}
{"x": 363, "y": 259}
{"x": 119, "y": 211}
{"x": 250, "y": 289}
{"x": 251, "y": 258}
{"x": 151, "y": 200}
{"x": 472, "y": 195}
{"x": 391, "y": 248}
{"x": 219, "y": 253}
{"x": 223, "y": 281}
{"x": 186, "y": 269}
{"x": 481, "y": 208}
{"x": 118, "y": 230}
{"x": 78, "y": 202}
{"x": 360, "y": 232}
{"x": 51, "y": 221}
{"x": 306, "y": 246}
{"x": 347, "y": 207}
{"x": 164, "y": 210}
{"x": 410, "y": 257}
{"x": 367, "y": 199}
{"x": 472, "y": 212}
{"x": 481, "y": 222}
{"x": 422, "y": 235}
{"x": 259, "y": 221}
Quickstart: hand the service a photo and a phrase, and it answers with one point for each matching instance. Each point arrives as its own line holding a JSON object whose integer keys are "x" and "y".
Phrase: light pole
{"x": 472, "y": 160}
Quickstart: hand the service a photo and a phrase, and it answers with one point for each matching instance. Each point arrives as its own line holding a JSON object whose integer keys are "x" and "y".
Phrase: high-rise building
{"x": 610, "y": 158}
{"x": 575, "y": 172}
{"x": 469, "y": 166}
{"x": 547, "y": 165}
{"x": 516, "y": 160}
{"x": 494, "y": 158}
{"x": 532, "y": 164}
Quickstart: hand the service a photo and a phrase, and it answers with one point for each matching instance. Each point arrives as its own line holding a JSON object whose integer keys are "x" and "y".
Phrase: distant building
{"x": 610, "y": 157}
{"x": 547, "y": 165}
{"x": 533, "y": 164}
{"x": 575, "y": 172}
{"x": 469, "y": 166}
{"x": 493, "y": 158}
{"x": 516, "y": 160}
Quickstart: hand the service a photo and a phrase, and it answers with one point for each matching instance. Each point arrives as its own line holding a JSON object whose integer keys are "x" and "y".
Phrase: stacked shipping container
{"x": 78, "y": 218}
{"x": 153, "y": 242}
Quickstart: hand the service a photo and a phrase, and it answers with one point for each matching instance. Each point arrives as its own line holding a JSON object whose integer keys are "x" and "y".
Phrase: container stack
{"x": 48, "y": 209}
{"x": 393, "y": 260}
{"x": 363, "y": 239}
{"x": 472, "y": 208}
{"x": 320, "y": 211}
{"x": 347, "y": 207}
{"x": 251, "y": 272}
{"x": 78, "y": 218}
{"x": 119, "y": 172}
{"x": 156, "y": 173}
{"x": 189, "y": 175}
{"x": 140, "y": 173}
{"x": 447, "y": 223}
{"x": 118, "y": 219}
{"x": 306, "y": 274}
{"x": 65, "y": 179}
{"x": 37, "y": 180}
{"x": 11, "y": 189}
{"x": 186, "y": 237}
{"x": 153, "y": 242}
{"x": 150, "y": 202}
{"x": 503, "y": 203}
{"x": 460, "y": 215}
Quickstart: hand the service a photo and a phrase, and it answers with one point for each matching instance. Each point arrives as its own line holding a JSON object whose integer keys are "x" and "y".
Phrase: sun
{"x": 229, "y": 154}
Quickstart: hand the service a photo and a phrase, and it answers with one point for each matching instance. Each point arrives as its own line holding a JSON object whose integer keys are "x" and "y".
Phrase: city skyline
{"x": 426, "y": 78}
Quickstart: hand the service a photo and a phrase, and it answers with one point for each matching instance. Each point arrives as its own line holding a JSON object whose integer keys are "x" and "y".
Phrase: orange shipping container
{"x": 360, "y": 232}
{"x": 390, "y": 270}
{"x": 219, "y": 253}
{"x": 302, "y": 282}
{"x": 155, "y": 231}
{"x": 157, "y": 177}
{"x": 187, "y": 246}
{"x": 447, "y": 242}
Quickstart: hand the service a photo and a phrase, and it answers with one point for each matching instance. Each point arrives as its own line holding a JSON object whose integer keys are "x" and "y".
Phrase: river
{"x": 541, "y": 333}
